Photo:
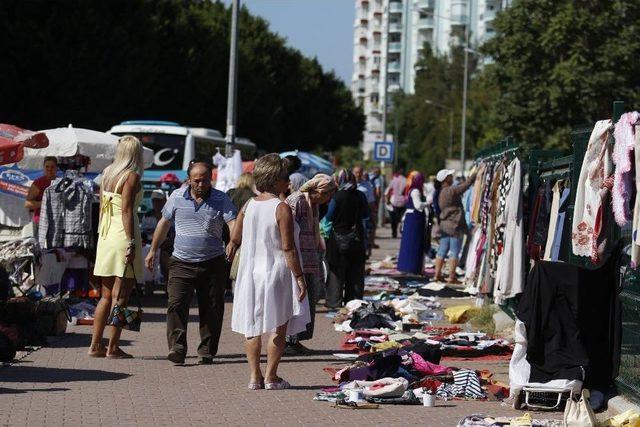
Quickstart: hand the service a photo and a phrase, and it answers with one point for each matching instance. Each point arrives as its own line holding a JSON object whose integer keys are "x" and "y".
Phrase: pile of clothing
{"x": 18, "y": 249}
{"x": 397, "y": 314}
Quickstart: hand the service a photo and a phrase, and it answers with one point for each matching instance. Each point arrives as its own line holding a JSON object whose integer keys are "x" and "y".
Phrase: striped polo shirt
{"x": 198, "y": 228}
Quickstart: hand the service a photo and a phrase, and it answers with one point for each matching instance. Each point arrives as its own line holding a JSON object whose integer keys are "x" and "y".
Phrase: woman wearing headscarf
{"x": 296, "y": 181}
{"x": 411, "y": 257}
{"x": 304, "y": 201}
{"x": 345, "y": 249}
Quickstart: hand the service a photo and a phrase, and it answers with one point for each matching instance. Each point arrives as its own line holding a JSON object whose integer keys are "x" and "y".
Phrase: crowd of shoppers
{"x": 269, "y": 227}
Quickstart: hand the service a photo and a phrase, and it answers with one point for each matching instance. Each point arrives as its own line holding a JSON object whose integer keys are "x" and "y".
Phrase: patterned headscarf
{"x": 414, "y": 180}
{"x": 296, "y": 181}
{"x": 346, "y": 180}
{"x": 320, "y": 183}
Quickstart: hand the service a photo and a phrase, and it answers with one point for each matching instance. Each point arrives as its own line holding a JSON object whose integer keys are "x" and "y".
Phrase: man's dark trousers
{"x": 208, "y": 279}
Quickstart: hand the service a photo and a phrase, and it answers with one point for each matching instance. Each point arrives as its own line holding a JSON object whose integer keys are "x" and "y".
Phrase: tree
{"x": 422, "y": 120}
{"x": 561, "y": 63}
{"x": 95, "y": 63}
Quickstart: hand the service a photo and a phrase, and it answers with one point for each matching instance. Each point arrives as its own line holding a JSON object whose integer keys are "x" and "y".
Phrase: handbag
{"x": 349, "y": 241}
{"x": 578, "y": 413}
{"x": 235, "y": 265}
{"x": 125, "y": 318}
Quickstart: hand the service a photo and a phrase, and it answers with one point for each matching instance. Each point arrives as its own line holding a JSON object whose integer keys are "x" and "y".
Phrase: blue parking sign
{"x": 383, "y": 151}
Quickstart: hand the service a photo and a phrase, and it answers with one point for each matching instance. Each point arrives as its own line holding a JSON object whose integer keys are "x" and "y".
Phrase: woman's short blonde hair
{"x": 267, "y": 170}
{"x": 245, "y": 181}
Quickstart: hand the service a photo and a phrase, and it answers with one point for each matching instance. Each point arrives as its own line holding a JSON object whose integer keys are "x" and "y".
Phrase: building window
{"x": 374, "y": 98}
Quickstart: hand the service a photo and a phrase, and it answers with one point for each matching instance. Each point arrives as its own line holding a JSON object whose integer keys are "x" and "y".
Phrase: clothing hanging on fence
{"x": 592, "y": 190}
{"x": 494, "y": 261}
{"x": 65, "y": 217}
{"x": 635, "y": 235}
{"x": 571, "y": 329}
{"x": 510, "y": 265}
{"x": 624, "y": 134}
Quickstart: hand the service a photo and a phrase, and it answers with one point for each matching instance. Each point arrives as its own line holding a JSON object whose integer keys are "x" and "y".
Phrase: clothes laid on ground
{"x": 445, "y": 292}
{"x": 384, "y": 387}
{"x": 480, "y": 420}
{"x": 466, "y": 384}
{"x": 569, "y": 313}
{"x": 373, "y": 316}
{"x": 65, "y": 213}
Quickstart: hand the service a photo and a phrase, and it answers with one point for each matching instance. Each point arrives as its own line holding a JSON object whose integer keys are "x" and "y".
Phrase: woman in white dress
{"x": 270, "y": 285}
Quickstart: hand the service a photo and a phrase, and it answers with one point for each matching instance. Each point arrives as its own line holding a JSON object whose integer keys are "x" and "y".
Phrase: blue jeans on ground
{"x": 449, "y": 245}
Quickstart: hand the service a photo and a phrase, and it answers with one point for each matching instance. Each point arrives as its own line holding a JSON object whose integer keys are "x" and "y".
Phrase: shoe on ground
{"x": 296, "y": 349}
{"x": 176, "y": 357}
{"x": 205, "y": 360}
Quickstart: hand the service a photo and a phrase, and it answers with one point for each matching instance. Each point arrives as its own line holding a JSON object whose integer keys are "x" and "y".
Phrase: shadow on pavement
{"x": 13, "y": 391}
{"x": 34, "y": 374}
{"x": 79, "y": 340}
{"x": 294, "y": 359}
{"x": 311, "y": 387}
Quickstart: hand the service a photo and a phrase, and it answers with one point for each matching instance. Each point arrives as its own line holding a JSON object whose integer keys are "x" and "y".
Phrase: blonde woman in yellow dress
{"x": 119, "y": 252}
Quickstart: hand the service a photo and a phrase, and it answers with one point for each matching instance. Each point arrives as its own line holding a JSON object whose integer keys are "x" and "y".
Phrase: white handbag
{"x": 578, "y": 413}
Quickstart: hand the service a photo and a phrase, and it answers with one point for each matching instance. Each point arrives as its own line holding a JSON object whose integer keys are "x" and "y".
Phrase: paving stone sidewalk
{"x": 61, "y": 386}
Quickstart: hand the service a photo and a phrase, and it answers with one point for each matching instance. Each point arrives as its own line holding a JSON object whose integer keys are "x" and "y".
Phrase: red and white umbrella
{"x": 13, "y": 140}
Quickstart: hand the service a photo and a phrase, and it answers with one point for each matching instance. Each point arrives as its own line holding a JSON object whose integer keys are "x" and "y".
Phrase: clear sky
{"x": 321, "y": 28}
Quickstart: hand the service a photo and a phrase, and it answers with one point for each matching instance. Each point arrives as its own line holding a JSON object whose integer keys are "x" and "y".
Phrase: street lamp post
{"x": 464, "y": 95}
{"x": 230, "y": 137}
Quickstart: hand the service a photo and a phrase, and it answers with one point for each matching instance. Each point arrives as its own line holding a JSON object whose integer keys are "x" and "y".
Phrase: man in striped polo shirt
{"x": 198, "y": 213}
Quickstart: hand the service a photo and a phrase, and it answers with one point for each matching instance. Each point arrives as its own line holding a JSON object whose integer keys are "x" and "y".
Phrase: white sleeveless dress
{"x": 265, "y": 294}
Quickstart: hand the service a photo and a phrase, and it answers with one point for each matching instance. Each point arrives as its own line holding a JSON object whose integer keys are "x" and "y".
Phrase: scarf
{"x": 624, "y": 135}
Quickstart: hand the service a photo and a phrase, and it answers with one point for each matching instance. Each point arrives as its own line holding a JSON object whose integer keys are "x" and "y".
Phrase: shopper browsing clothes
{"x": 411, "y": 256}
{"x": 119, "y": 248}
{"x": 245, "y": 189}
{"x": 347, "y": 211}
{"x": 453, "y": 225}
{"x": 269, "y": 299}
{"x": 149, "y": 224}
{"x": 198, "y": 213}
{"x": 366, "y": 187}
{"x": 36, "y": 191}
{"x": 396, "y": 200}
{"x": 304, "y": 203}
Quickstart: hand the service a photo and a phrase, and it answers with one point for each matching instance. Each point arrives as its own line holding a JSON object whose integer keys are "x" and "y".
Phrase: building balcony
{"x": 489, "y": 15}
{"x": 393, "y": 87}
{"x": 395, "y": 27}
{"x": 395, "y": 47}
{"x": 425, "y": 23}
{"x": 459, "y": 19}
{"x": 426, "y": 4}
{"x": 394, "y": 67}
{"x": 395, "y": 7}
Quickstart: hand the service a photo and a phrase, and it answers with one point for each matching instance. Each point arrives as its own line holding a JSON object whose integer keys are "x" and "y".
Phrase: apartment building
{"x": 390, "y": 35}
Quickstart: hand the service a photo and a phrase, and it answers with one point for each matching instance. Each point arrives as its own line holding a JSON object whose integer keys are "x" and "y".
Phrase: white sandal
{"x": 279, "y": 385}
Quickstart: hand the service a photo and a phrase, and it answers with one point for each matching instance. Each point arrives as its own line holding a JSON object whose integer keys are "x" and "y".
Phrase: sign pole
{"x": 382, "y": 204}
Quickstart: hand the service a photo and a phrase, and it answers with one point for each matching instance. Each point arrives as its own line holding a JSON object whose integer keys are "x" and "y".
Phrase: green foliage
{"x": 94, "y": 63}
{"x": 561, "y": 64}
{"x": 424, "y": 128}
{"x": 555, "y": 65}
{"x": 347, "y": 157}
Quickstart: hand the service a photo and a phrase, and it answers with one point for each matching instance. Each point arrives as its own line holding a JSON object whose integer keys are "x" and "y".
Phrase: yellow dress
{"x": 112, "y": 239}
